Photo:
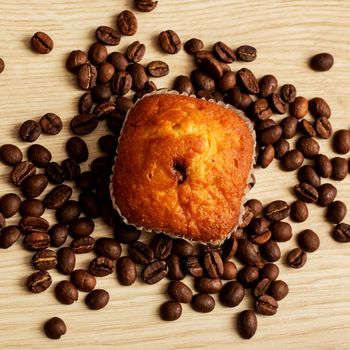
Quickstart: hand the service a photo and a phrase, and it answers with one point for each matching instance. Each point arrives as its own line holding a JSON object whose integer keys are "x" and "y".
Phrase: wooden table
{"x": 316, "y": 313}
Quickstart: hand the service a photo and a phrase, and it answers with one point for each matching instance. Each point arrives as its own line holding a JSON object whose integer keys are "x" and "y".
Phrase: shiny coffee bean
{"x": 39, "y": 281}
{"x": 340, "y": 168}
{"x": 322, "y": 62}
{"x": 323, "y": 165}
{"x": 341, "y": 233}
{"x": 326, "y": 194}
{"x": 306, "y": 192}
{"x": 292, "y": 160}
{"x": 246, "y": 53}
{"x": 247, "y": 276}
{"x": 57, "y": 197}
{"x": 261, "y": 287}
{"x": 170, "y": 311}
{"x": 203, "y": 303}
{"x": 9, "y": 236}
{"x": 34, "y": 185}
{"x": 336, "y": 212}
{"x": 154, "y": 272}
{"x": 281, "y": 231}
{"x": 9, "y": 204}
{"x": 299, "y": 211}
{"x": 107, "y": 35}
{"x": 76, "y": 59}
{"x": 83, "y": 245}
{"x": 288, "y": 93}
{"x": 308, "y": 174}
{"x": 309, "y": 147}
{"x": 65, "y": 260}
{"x": 308, "y": 241}
{"x": 101, "y": 266}
{"x": 97, "y": 299}
{"x": 266, "y": 305}
{"x": 77, "y": 149}
{"x": 66, "y": 293}
{"x": 296, "y": 258}
{"x": 55, "y": 173}
{"x": 270, "y": 271}
{"x": 31, "y": 207}
{"x": 44, "y": 259}
{"x": 126, "y": 271}
{"x": 323, "y": 128}
{"x": 170, "y": 41}
{"x": 277, "y": 210}
{"x": 58, "y": 235}
{"x": 83, "y": 280}
{"x": 231, "y": 294}
{"x": 180, "y": 292}
{"x": 289, "y": 126}
{"x": 270, "y": 251}
{"x": 230, "y": 271}
{"x": 54, "y": 328}
{"x": 208, "y": 285}
{"x": 10, "y": 154}
{"x": 127, "y": 23}
{"x": 268, "y": 84}
{"x": 42, "y": 43}
{"x": 30, "y": 131}
{"x": 299, "y": 107}
{"x": 278, "y": 290}
{"x": 51, "y": 124}
{"x": 247, "y": 324}
{"x": 87, "y": 76}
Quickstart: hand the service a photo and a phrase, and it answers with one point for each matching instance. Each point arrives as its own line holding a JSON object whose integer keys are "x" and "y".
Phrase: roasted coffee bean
{"x": 170, "y": 311}
{"x": 9, "y": 204}
{"x": 118, "y": 61}
{"x": 270, "y": 271}
{"x": 203, "y": 303}
{"x": 202, "y": 81}
{"x": 87, "y": 76}
{"x": 37, "y": 241}
{"x": 341, "y": 141}
{"x": 10, "y": 154}
{"x": 336, "y": 212}
{"x": 44, "y": 259}
{"x": 309, "y": 147}
{"x": 247, "y": 254}
{"x": 247, "y": 276}
{"x": 66, "y": 293}
{"x": 108, "y": 144}
{"x": 157, "y": 69}
{"x": 146, "y": 5}
{"x": 261, "y": 109}
{"x": 181, "y": 247}
{"x": 176, "y": 269}
{"x": 55, "y": 173}
{"x": 126, "y": 271}
{"x": 299, "y": 211}
{"x": 123, "y": 104}
{"x": 31, "y": 207}
{"x": 292, "y": 160}
{"x": 54, "y": 328}
{"x": 126, "y": 234}
{"x": 193, "y": 266}
{"x": 340, "y": 168}
{"x": 170, "y": 41}
{"x": 39, "y": 281}
{"x": 97, "y": 53}
{"x": 261, "y": 287}
{"x": 30, "y": 224}
{"x": 322, "y": 62}
{"x": 154, "y": 272}
{"x": 76, "y": 59}
{"x": 51, "y": 124}
{"x": 107, "y": 35}
{"x": 58, "y": 235}
{"x": 39, "y": 155}
{"x": 89, "y": 204}
{"x": 41, "y": 43}
{"x": 83, "y": 245}
{"x": 71, "y": 169}
{"x": 180, "y": 292}
{"x": 266, "y": 156}
{"x": 213, "y": 264}
{"x": 296, "y": 258}
{"x": 306, "y": 128}
{"x": 100, "y": 93}
{"x": 65, "y": 260}
{"x": 268, "y": 85}
{"x": 278, "y": 104}
{"x": 83, "y": 124}
{"x": 323, "y": 165}
{"x": 83, "y": 280}
{"x": 270, "y": 251}
{"x": 33, "y": 186}
{"x": 288, "y": 93}
{"x": 2, "y": 65}
{"x": 281, "y": 231}
{"x": 247, "y": 216}
{"x": 289, "y": 126}
{"x": 183, "y": 84}
{"x": 85, "y": 103}
{"x": 259, "y": 226}
{"x": 281, "y": 148}
{"x": 135, "y": 52}
{"x": 193, "y": 45}
{"x": 108, "y": 247}
{"x": 86, "y": 181}
{"x": 97, "y": 299}
{"x": 9, "y": 236}
{"x": 104, "y": 110}
{"x": 247, "y": 324}
{"x": 127, "y": 23}
{"x": 208, "y": 285}
{"x": 230, "y": 271}
{"x": 57, "y": 197}
{"x": 308, "y": 241}
{"x": 299, "y": 107}
{"x": 266, "y": 305}
{"x": 101, "y": 266}
{"x": 246, "y": 53}
{"x": 341, "y": 233}
{"x": 306, "y": 192}
{"x": 278, "y": 290}
{"x": 326, "y": 194}
{"x": 138, "y": 75}
{"x": 227, "y": 81}
{"x": 277, "y": 210}
{"x": 264, "y": 124}
{"x": 30, "y": 130}
{"x": 77, "y": 149}
{"x": 260, "y": 238}
{"x": 248, "y": 81}
{"x": 270, "y": 135}
{"x": 319, "y": 108}
{"x": 231, "y": 294}
{"x": 323, "y": 128}
{"x": 256, "y": 206}
{"x": 308, "y": 174}
{"x": 224, "y": 53}
{"x": 161, "y": 245}
{"x": 238, "y": 99}
{"x": 81, "y": 227}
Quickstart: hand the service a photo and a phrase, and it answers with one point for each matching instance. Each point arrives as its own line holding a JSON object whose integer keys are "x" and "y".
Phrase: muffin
{"x": 182, "y": 167}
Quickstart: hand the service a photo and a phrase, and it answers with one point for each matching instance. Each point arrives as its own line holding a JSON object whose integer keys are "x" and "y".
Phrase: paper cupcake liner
{"x": 249, "y": 177}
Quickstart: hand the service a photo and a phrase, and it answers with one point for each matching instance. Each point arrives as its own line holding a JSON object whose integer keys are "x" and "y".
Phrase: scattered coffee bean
{"x": 322, "y": 62}
{"x": 127, "y": 23}
{"x": 51, "y": 124}
{"x": 230, "y": 271}
{"x": 299, "y": 211}
{"x": 154, "y": 272}
{"x": 308, "y": 174}
{"x": 108, "y": 247}
{"x": 85, "y": 103}
{"x": 76, "y": 59}
{"x": 181, "y": 247}
{"x": 247, "y": 276}
{"x": 223, "y": 52}
{"x": 9, "y": 204}
{"x": 41, "y": 43}
{"x": 81, "y": 227}
{"x": 213, "y": 264}
{"x": 44, "y": 259}
{"x": 87, "y": 76}
{"x": 292, "y": 160}
{"x": 65, "y": 260}
{"x": 126, "y": 234}
{"x": 308, "y": 146}
{"x": 276, "y": 210}
{"x": 170, "y": 311}
{"x": 289, "y": 126}
{"x": 193, "y": 45}
{"x": 57, "y": 197}
{"x": 55, "y": 173}
{"x": 102, "y": 91}
{"x": 34, "y": 185}
{"x": 231, "y": 294}
{"x": 288, "y": 93}
{"x": 58, "y": 235}
{"x": 336, "y": 212}
{"x": 183, "y": 84}
{"x": 247, "y": 217}
{"x": 97, "y": 53}
{"x": 299, "y": 107}
{"x": 306, "y": 128}
{"x": 327, "y": 192}
{"x": 281, "y": 148}
{"x": 77, "y": 149}
{"x": 66, "y": 293}
{"x": 176, "y": 268}
{"x": 268, "y": 85}
{"x": 203, "y": 303}
{"x": 319, "y": 108}
{"x": 246, "y": 53}
{"x": 281, "y": 231}
{"x": 10, "y": 154}
{"x": 39, "y": 155}
{"x": 140, "y": 253}
{"x": 126, "y": 271}
{"x": 323, "y": 128}
{"x": 247, "y": 254}
{"x": 101, "y": 266}
{"x": 170, "y": 41}
{"x": 31, "y": 207}
{"x": 157, "y": 69}
{"x": 30, "y": 130}
{"x": 83, "y": 124}
{"x": 270, "y": 251}
{"x": 97, "y": 299}
{"x": 37, "y": 241}
{"x": 138, "y": 75}
{"x": 39, "y": 281}
{"x": 180, "y": 292}
{"x": 9, "y": 236}
{"x": 308, "y": 241}
{"x": 341, "y": 233}
{"x": 71, "y": 169}
{"x": 135, "y": 52}
{"x": 266, "y": 305}
{"x": 83, "y": 280}
{"x": 54, "y": 328}
{"x": 255, "y": 205}
{"x": 306, "y": 192}
{"x": 296, "y": 258}
{"x": 247, "y": 324}
{"x": 270, "y": 271}
{"x": 278, "y": 290}
{"x": 323, "y": 165}
{"x": 248, "y": 81}
{"x": 266, "y": 156}
{"x": 107, "y": 35}
{"x": 208, "y": 285}
{"x": 30, "y": 224}
{"x": 270, "y": 135}
{"x": 278, "y": 105}
{"x": 341, "y": 141}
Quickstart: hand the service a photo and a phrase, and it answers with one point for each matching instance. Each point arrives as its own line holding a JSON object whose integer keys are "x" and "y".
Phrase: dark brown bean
{"x": 57, "y": 197}
{"x": 41, "y": 43}
{"x": 30, "y": 131}
{"x": 299, "y": 107}
{"x": 54, "y": 328}
{"x": 170, "y": 41}
{"x": 37, "y": 241}
{"x": 66, "y": 293}
{"x": 268, "y": 84}
{"x": 126, "y": 271}
{"x": 266, "y": 305}
{"x": 58, "y": 235}
{"x": 193, "y": 45}
{"x": 270, "y": 271}
{"x": 246, "y": 53}
{"x": 278, "y": 290}
{"x": 292, "y": 160}
{"x": 341, "y": 233}
{"x": 299, "y": 211}
{"x": 248, "y": 80}
{"x": 9, "y": 236}
{"x": 308, "y": 174}
{"x": 336, "y": 212}
{"x": 51, "y": 124}
{"x": 308, "y": 241}
{"x": 39, "y": 281}
{"x": 319, "y": 108}
{"x": 44, "y": 259}
{"x": 306, "y": 192}
{"x": 261, "y": 287}
{"x": 83, "y": 280}
{"x": 83, "y": 124}
{"x": 154, "y": 272}
{"x": 9, "y": 204}
{"x": 296, "y": 258}
{"x": 322, "y": 62}
{"x": 323, "y": 165}
{"x": 308, "y": 146}
{"x": 33, "y": 186}
{"x": 306, "y": 128}
{"x": 87, "y": 76}
{"x": 270, "y": 251}
{"x": 223, "y": 52}
{"x": 157, "y": 69}
{"x": 135, "y": 52}
{"x": 83, "y": 245}
{"x": 10, "y": 154}
{"x": 97, "y": 299}
{"x": 323, "y": 128}
{"x": 76, "y": 59}
{"x": 288, "y": 93}
{"x": 203, "y": 303}
{"x": 277, "y": 210}
{"x": 247, "y": 324}
{"x": 326, "y": 194}
{"x": 31, "y": 207}
{"x": 65, "y": 260}
{"x": 281, "y": 231}
{"x": 247, "y": 276}
{"x": 101, "y": 266}
{"x": 127, "y": 23}
{"x": 107, "y": 35}
{"x": 289, "y": 126}
{"x": 170, "y": 311}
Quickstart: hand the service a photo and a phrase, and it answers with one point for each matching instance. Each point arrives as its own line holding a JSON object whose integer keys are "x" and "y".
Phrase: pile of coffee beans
{"x": 112, "y": 82}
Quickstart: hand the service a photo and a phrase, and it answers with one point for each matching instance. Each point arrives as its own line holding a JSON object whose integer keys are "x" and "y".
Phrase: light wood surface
{"x": 316, "y": 313}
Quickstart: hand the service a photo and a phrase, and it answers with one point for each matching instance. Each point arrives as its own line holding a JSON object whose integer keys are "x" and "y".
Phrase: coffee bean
{"x": 83, "y": 280}
{"x": 157, "y": 69}
{"x": 261, "y": 287}
{"x": 281, "y": 148}
{"x": 299, "y": 107}
{"x": 81, "y": 227}
{"x": 58, "y": 235}
{"x": 193, "y": 266}
{"x": 39, "y": 155}
{"x": 319, "y": 108}
{"x": 299, "y": 211}
{"x": 247, "y": 217}
{"x": 101, "y": 266}
{"x": 97, "y": 53}
{"x": 71, "y": 169}
{"x": 288, "y": 93}
{"x": 308, "y": 174}
{"x": 55, "y": 327}
{"x": 238, "y": 99}
{"x": 34, "y": 185}
{"x": 180, "y": 292}
{"x": 278, "y": 290}
{"x": 231, "y": 294}
{"x": 289, "y": 126}
{"x": 83, "y": 245}
{"x": 336, "y": 212}
{"x": 247, "y": 324}
{"x": 55, "y": 173}
{"x": 57, "y": 197}
{"x": 281, "y": 231}
{"x": 97, "y": 299}
{"x": 141, "y": 253}
{"x": 127, "y": 23}
{"x": 66, "y": 293}
{"x": 323, "y": 127}
{"x": 306, "y": 128}
{"x": 323, "y": 165}
{"x": 146, "y": 5}
{"x": 135, "y": 52}
{"x": 306, "y": 192}
{"x": 259, "y": 225}
{"x": 65, "y": 260}
{"x": 193, "y": 45}
{"x": 51, "y": 124}
{"x": 208, "y": 285}
{"x": 341, "y": 141}
{"x": 309, "y": 147}
{"x": 44, "y": 259}
{"x": 161, "y": 246}
{"x": 77, "y": 149}
{"x": 248, "y": 81}
{"x": 308, "y": 241}
{"x": 261, "y": 109}
{"x": 260, "y": 238}
{"x": 176, "y": 268}
{"x": 183, "y": 84}
{"x": 292, "y": 160}
{"x": 201, "y": 55}
{"x": 83, "y": 124}
{"x": 108, "y": 247}
{"x": 39, "y": 281}
{"x": 247, "y": 254}
{"x": 246, "y": 53}
{"x": 213, "y": 264}
{"x": 255, "y": 205}
{"x": 264, "y": 124}
{"x": 339, "y": 168}
{"x": 276, "y": 210}
{"x": 9, "y": 236}
{"x": 31, "y": 207}
{"x": 41, "y": 43}
{"x": 170, "y": 42}
{"x": 247, "y": 276}
{"x": 101, "y": 93}
{"x": 270, "y": 135}
{"x": 230, "y": 271}
{"x": 76, "y": 59}
{"x": 181, "y": 247}
{"x": 154, "y": 272}
{"x": 107, "y": 35}
{"x": 203, "y": 303}
{"x": 296, "y": 258}
{"x": 10, "y": 154}
{"x": 2, "y": 65}
{"x": 270, "y": 271}
{"x": 126, "y": 271}
{"x": 30, "y": 224}
{"x": 270, "y": 251}
{"x": 126, "y": 234}
{"x": 266, "y": 305}
{"x": 202, "y": 81}
{"x": 118, "y": 61}
{"x": 224, "y": 53}
{"x": 266, "y": 156}
{"x": 87, "y": 76}
{"x": 138, "y": 75}
{"x": 227, "y": 82}
{"x": 277, "y": 104}
{"x": 9, "y": 204}
{"x": 327, "y": 192}
{"x": 85, "y": 103}
{"x": 268, "y": 85}
{"x": 341, "y": 233}
{"x": 37, "y": 241}
{"x": 170, "y": 311}
{"x": 322, "y": 62}
{"x": 30, "y": 130}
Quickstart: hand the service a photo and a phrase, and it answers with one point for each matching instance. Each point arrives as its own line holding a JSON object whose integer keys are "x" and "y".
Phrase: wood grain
{"x": 286, "y": 33}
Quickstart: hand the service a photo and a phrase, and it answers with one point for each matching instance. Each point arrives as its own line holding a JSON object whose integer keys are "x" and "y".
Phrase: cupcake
{"x": 182, "y": 167}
